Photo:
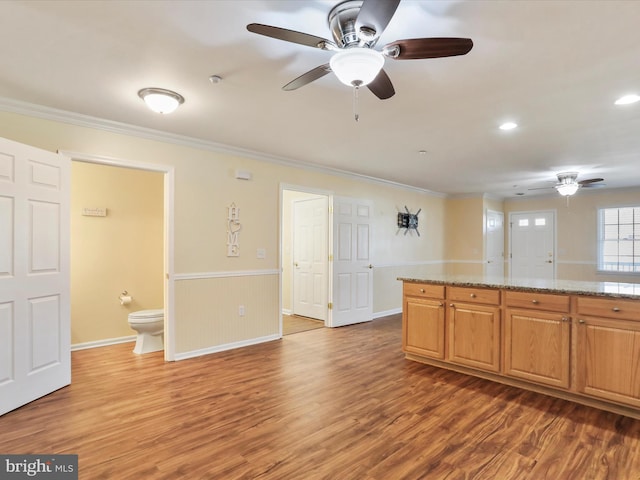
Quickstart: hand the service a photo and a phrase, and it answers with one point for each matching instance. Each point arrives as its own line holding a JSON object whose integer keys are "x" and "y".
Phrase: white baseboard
{"x": 286, "y": 311}
{"x": 102, "y": 343}
{"x": 386, "y": 313}
{"x": 227, "y": 346}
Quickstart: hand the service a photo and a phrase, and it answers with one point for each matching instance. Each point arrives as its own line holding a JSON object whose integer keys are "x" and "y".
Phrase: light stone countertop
{"x": 569, "y": 287}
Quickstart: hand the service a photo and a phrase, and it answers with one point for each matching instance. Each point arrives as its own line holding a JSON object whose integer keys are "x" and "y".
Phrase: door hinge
{"x": 330, "y": 306}
{"x": 331, "y": 258}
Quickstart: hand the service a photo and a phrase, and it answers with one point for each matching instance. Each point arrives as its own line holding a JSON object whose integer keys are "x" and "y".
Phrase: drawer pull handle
{"x": 422, "y": 290}
{"x": 616, "y": 309}
{"x": 473, "y": 295}
{"x": 535, "y": 302}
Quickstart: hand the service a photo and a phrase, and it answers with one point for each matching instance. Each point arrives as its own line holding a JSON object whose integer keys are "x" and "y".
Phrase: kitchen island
{"x": 579, "y": 341}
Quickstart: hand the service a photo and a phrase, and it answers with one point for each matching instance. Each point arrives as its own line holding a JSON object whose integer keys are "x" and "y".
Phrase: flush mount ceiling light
{"x": 356, "y": 66}
{"x": 160, "y": 100}
{"x": 628, "y": 99}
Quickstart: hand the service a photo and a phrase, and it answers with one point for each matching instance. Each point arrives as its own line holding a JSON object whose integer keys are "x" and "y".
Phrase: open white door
{"x": 35, "y": 334}
{"x": 310, "y": 257}
{"x": 352, "y": 277}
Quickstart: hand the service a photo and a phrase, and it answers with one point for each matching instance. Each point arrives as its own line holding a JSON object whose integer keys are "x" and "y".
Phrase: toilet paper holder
{"x": 125, "y": 298}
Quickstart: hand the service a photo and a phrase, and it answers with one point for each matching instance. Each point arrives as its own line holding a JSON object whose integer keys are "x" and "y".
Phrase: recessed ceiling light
{"x": 627, "y": 99}
{"x": 422, "y": 152}
{"x": 508, "y": 126}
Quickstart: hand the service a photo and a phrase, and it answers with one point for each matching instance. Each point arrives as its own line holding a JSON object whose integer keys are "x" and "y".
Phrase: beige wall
{"x": 576, "y": 256}
{"x": 207, "y": 292}
{"x": 122, "y": 251}
{"x": 465, "y": 235}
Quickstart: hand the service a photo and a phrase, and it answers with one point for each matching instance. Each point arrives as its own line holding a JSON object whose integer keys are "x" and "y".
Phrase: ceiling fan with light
{"x": 356, "y": 26}
{"x": 568, "y": 183}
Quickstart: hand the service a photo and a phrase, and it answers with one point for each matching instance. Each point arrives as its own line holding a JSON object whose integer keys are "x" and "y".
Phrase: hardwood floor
{"x": 329, "y": 404}
{"x": 295, "y": 324}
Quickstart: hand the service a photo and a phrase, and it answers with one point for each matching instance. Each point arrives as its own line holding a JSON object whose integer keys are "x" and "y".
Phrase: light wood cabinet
{"x": 474, "y": 331}
{"x": 579, "y": 347}
{"x": 537, "y": 337}
{"x": 423, "y": 320}
{"x": 608, "y": 348}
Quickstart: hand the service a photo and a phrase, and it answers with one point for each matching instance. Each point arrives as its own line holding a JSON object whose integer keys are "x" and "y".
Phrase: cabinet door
{"x": 474, "y": 336}
{"x": 609, "y": 359}
{"x": 423, "y": 327}
{"x": 536, "y": 346}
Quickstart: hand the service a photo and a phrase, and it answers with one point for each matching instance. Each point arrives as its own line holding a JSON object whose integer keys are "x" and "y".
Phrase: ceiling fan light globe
{"x": 567, "y": 189}
{"x": 357, "y": 66}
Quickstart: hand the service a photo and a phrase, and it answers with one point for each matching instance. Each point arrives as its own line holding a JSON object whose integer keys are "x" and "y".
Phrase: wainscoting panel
{"x": 221, "y": 310}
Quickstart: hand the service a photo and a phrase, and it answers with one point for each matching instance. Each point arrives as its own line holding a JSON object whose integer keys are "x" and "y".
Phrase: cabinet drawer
{"x": 423, "y": 290}
{"x": 609, "y": 307}
{"x": 474, "y": 295}
{"x": 538, "y": 301}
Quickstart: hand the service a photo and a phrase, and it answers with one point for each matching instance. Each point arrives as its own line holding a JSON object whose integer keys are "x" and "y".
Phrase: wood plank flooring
{"x": 295, "y": 324}
{"x": 335, "y": 404}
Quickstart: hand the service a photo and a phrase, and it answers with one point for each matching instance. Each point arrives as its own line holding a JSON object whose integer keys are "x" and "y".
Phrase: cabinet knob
{"x": 616, "y": 309}
{"x": 566, "y": 319}
{"x": 581, "y": 321}
{"x": 473, "y": 295}
{"x": 441, "y": 304}
{"x": 422, "y": 290}
{"x": 452, "y": 305}
{"x": 535, "y": 302}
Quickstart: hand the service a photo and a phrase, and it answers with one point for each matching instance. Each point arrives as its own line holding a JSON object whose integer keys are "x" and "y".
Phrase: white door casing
{"x": 310, "y": 257}
{"x": 532, "y": 245}
{"x": 352, "y": 275}
{"x": 35, "y": 334}
{"x": 494, "y": 255}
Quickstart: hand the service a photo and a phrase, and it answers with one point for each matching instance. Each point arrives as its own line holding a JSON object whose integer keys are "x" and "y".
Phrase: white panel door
{"x": 311, "y": 257}
{"x": 494, "y": 260}
{"x": 532, "y": 239}
{"x": 352, "y": 265}
{"x": 35, "y": 334}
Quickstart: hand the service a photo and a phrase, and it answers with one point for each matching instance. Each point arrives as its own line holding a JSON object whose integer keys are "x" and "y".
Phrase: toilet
{"x": 150, "y": 327}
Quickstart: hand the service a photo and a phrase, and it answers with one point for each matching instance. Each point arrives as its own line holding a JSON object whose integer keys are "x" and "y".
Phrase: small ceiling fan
{"x": 356, "y": 26}
{"x": 568, "y": 183}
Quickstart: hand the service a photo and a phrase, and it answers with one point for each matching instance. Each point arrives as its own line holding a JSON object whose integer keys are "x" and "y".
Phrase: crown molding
{"x": 81, "y": 120}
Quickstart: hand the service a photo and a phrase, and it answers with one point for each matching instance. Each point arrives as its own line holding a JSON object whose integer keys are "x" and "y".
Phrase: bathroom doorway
{"x": 305, "y": 262}
{"x": 121, "y": 243}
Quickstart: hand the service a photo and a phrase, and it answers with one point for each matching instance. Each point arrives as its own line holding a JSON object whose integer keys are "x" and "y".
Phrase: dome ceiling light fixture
{"x": 161, "y": 100}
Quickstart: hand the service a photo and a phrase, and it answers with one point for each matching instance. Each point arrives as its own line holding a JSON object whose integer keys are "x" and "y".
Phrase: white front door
{"x": 310, "y": 257}
{"x": 494, "y": 260}
{"x": 532, "y": 240}
{"x": 35, "y": 333}
{"x": 352, "y": 276}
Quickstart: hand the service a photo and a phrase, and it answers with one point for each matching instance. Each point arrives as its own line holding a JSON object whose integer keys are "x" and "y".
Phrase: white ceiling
{"x": 554, "y": 67}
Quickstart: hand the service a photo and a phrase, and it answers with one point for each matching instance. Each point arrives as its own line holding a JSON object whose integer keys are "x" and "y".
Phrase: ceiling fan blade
{"x": 593, "y": 185}
{"x": 376, "y": 14}
{"x": 308, "y": 77}
{"x": 291, "y": 36}
{"x": 590, "y": 180}
{"x": 416, "y": 48}
{"x": 381, "y": 86}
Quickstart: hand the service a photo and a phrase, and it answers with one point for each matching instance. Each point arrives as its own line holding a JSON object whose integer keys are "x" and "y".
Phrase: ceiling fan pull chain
{"x": 356, "y": 115}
